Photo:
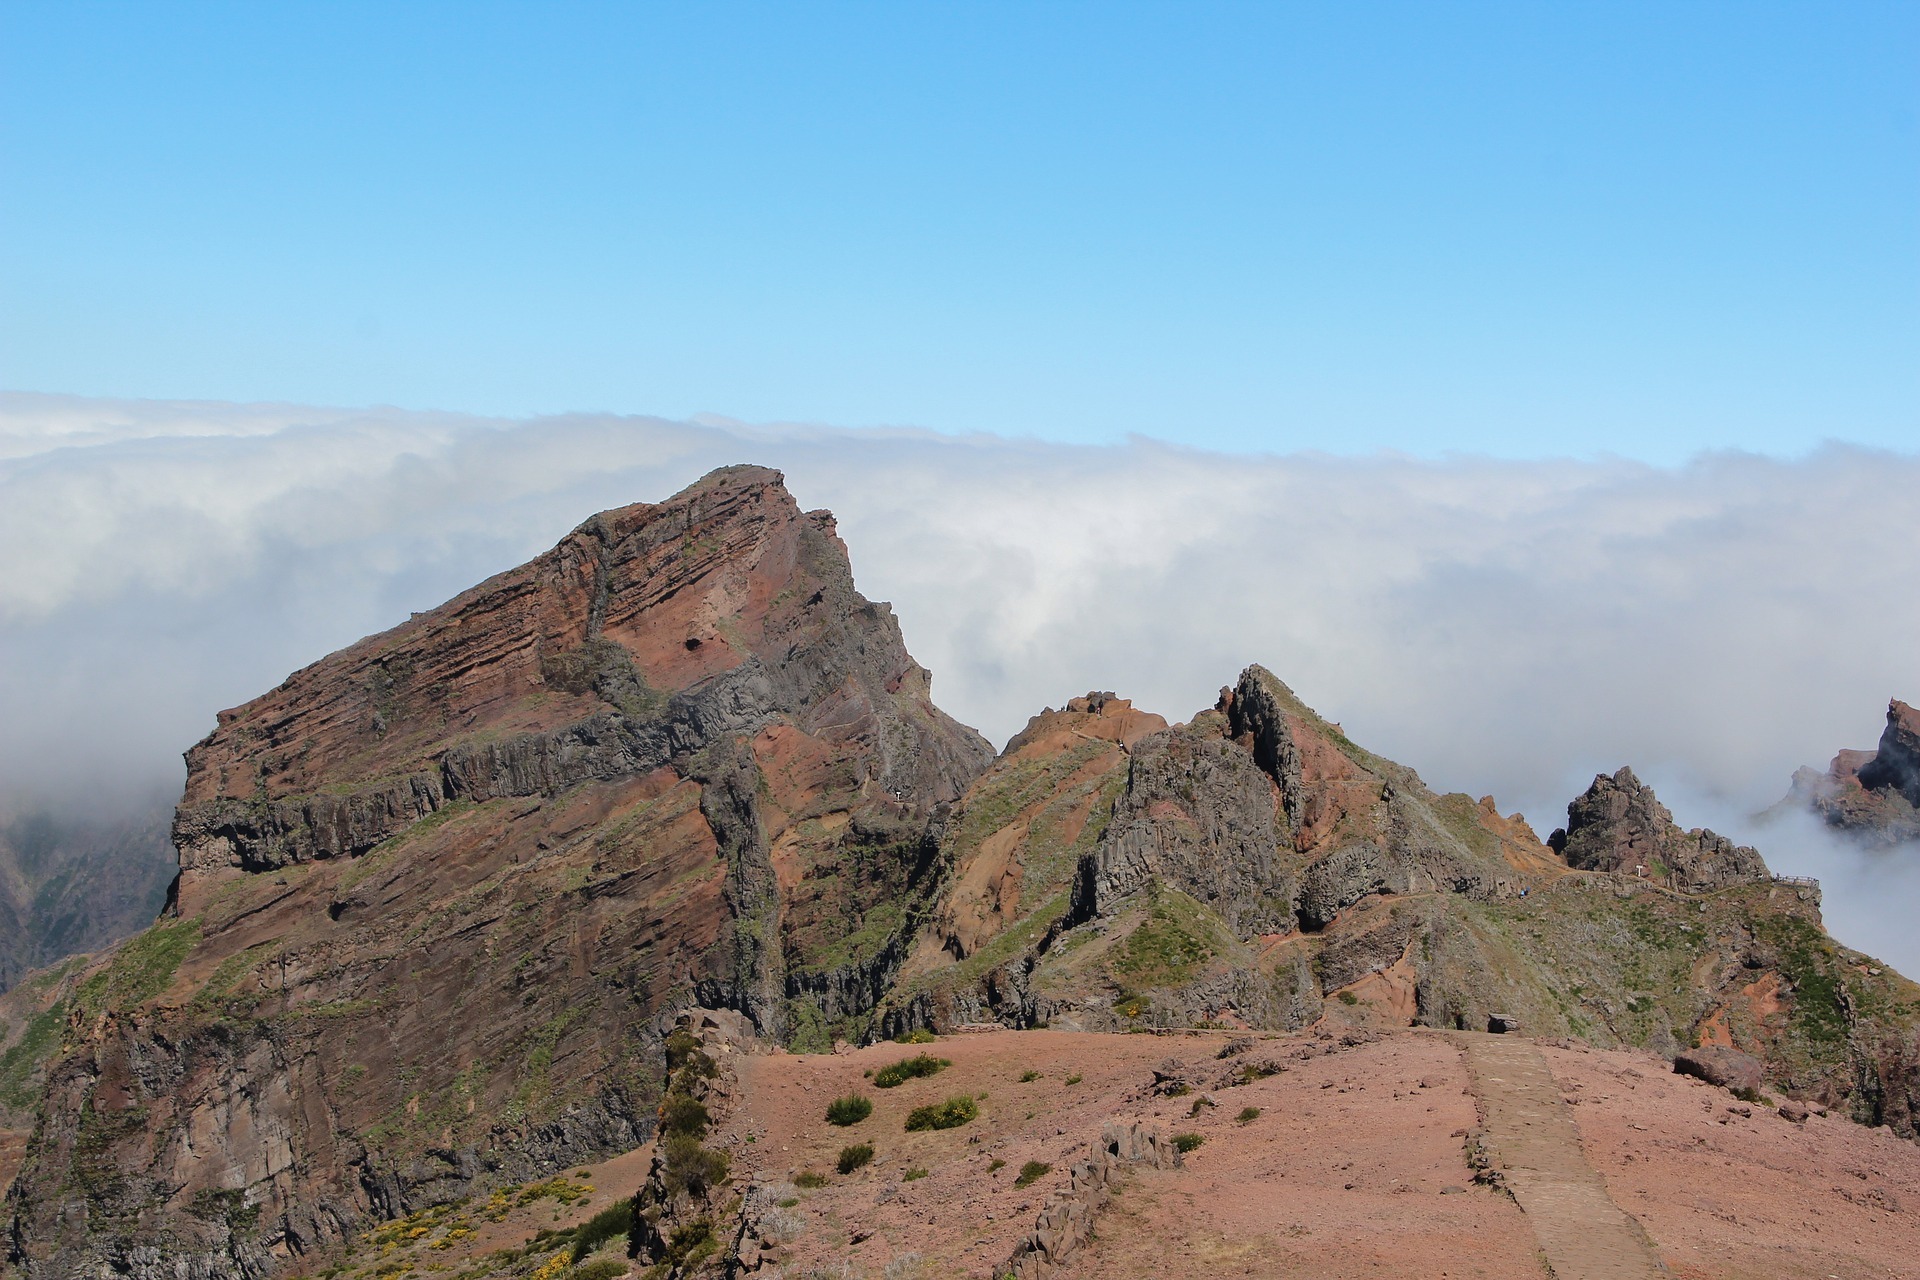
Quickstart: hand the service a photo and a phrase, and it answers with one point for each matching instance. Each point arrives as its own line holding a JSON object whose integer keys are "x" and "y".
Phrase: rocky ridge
{"x": 445, "y": 897}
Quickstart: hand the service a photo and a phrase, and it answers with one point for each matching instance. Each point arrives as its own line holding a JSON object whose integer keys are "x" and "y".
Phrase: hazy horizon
{"x": 1502, "y": 626}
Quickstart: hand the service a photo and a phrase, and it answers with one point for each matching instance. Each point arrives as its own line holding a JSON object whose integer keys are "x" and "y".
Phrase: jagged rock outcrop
{"x": 1873, "y": 795}
{"x": 1895, "y": 765}
{"x": 438, "y": 891}
{"x": 1199, "y": 814}
{"x": 1379, "y": 903}
{"x": 681, "y": 1221}
{"x": 1065, "y": 1223}
{"x": 1619, "y": 825}
{"x": 1254, "y": 810}
{"x": 1256, "y": 822}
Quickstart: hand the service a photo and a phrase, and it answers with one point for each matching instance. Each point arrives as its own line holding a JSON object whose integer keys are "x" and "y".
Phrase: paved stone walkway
{"x": 1533, "y": 1142}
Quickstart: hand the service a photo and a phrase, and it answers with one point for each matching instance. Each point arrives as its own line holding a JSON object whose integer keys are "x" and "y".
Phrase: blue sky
{"x": 1512, "y": 229}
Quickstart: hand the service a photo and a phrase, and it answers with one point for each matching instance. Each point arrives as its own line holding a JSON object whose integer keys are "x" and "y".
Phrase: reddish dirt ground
{"x": 1355, "y": 1167}
{"x": 1727, "y": 1196}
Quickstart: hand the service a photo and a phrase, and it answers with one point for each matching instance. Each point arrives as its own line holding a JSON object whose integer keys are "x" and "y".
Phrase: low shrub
{"x": 690, "y": 1167}
{"x": 857, "y": 1156}
{"x": 690, "y": 1244}
{"x": 996, "y": 1164}
{"x": 598, "y": 1269}
{"x": 614, "y": 1220}
{"x": 913, "y": 1175}
{"x": 1200, "y": 1104}
{"x": 809, "y": 1180}
{"x": 950, "y": 1114}
{"x": 1073, "y": 1079}
{"x": 919, "y": 1035}
{"x": 1185, "y": 1142}
{"x": 1028, "y": 1077}
{"x": 898, "y": 1073}
{"x": 1031, "y": 1172}
{"x": 1347, "y": 998}
{"x": 851, "y": 1109}
{"x": 681, "y": 1114}
{"x": 1248, "y": 1115}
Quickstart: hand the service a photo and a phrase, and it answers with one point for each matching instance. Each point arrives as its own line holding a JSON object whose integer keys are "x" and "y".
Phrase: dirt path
{"x": 1531, "y": 1137}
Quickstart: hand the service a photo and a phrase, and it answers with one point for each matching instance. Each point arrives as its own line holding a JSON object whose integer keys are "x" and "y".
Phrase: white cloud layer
{"x": 1504, "y": 627}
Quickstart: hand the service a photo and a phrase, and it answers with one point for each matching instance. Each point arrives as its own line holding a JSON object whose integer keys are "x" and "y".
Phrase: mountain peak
{"x": 1873, "y": 795}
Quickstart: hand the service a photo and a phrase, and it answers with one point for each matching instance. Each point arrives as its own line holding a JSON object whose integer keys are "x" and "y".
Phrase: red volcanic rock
{"x": 440, "y": 891}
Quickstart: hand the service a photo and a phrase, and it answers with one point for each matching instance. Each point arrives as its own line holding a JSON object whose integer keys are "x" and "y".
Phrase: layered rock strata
{"x": 441, "y": 892}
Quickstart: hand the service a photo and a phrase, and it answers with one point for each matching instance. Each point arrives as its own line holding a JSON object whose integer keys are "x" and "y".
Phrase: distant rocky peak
{"x": 1872, "y": 795}
{"x": 1618, "y": 825}
{"x": 1896, "y": 764}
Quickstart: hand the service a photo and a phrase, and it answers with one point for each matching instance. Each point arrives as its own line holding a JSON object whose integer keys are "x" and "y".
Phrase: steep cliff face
{"x": 1874, "y": 795}
{"x": 441, "y": 893}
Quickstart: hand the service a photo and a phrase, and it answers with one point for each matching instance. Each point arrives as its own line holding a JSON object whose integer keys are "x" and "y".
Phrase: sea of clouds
{"x": 1505, "y": 627}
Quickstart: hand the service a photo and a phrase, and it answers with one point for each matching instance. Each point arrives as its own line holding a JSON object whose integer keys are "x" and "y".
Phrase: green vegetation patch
{"x": 141, "y": 970}
{"x": 1185, "y": 1142}
{"x": 1461, "y": 817}
{"x": 849, "y": 1110}
{"x": 610, "y": 1223}
{"x": 28, "y": 1054}
{"x": 808, "y": 1180}
{"x": 687, "y": 1247}
{"x": 951, "y": 1114}
{"x": 895, "y": 1074}
{"x": 691, "y": 1168}
{"x": 1031, "y": 1172}
{"x": 1808, "y": 959}
{"x": 598, "y": 1269}
{"x": 1170, "y": 946}
{"x": 682, "y": 1114}
{"x": 857, "y": 1156}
